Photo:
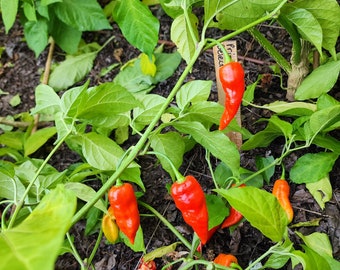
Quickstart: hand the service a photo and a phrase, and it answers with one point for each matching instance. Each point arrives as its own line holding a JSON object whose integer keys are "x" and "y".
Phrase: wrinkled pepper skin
{"x": 234, "y": 215}
{"x": 190, "y": 200}
{"x": 281, "y": 191}
{"x": 125, "y": 209}
{"x": 231, "y": 76}
{"x": 109, "y": 226}
{"x": 225, "y": 259}
{"x": 147, "y": 265}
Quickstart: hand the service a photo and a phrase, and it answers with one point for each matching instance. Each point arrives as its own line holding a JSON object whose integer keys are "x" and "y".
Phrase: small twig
{"x": 45, "y": 79}
{"x": 5, "y": 121}
{"x": 21, "y": 124}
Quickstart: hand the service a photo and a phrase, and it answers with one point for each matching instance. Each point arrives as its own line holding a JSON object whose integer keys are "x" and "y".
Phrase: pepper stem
{"x": 178, "y": 175}
{"x": 283, "y": 172}
{"x": 227, "y": 58}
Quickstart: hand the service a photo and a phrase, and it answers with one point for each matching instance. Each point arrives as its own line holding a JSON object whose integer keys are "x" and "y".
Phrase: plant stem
{"x": 269, "y": 251}
{"x": 274, "y": 53}
{"x": 166, "y": 223}
{"x": 45, "y": 79}
{"x": 178, "y": 175}
{"x": 96, "y": 246}
{"x": 248, "y": 26}
{"x": 22, "y": 200}
{"x": 208, "y": 21}
{"x": 135, "y": 149}
{"x": 75, "y": 252}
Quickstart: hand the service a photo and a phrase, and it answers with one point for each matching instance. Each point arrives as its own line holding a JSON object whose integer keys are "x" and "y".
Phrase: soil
{"x": 20, "y": 73}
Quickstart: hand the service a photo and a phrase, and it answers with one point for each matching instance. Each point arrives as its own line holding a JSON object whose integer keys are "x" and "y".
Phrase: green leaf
{"x": 193, "y": 92}
{"x": 217, "y": 210}
{"x": 307, "y": 26}
{"x": 29, "y": 11}
{"x": 321, "y": 191}
{"x": 275, "y": 128}
{"x": 46, "y": 100}
{"x": 38, "y": 139}
{"x": 238, "y": 14}
{"x": 36, "y": 34}
{"x": 12, "y": 139}
{"x": 185, "y": 40}
{"x": 248, "y": 95}
{"x": 280, "y": 255}
{"x": 166, "y": 64}
{"x": 262, "y": 162}
{"x": 327, "y": 14}
{"x": 35, "y": 243}
{"x": 133, "y": 174}
{"x": 291, "y": 108}
{"x": 222, "y": 173}
{"x": 49, "y": 2}
{"x": 71, "y": 98}
{"x": 172, "y": 146}
{"x": 206, "y": 112}
{"x": 160, "y": 252}
{"x": 65, "y": 36}
{"x": 101, "y": 152}
{"x": 328, "y": 142}
{"x": 215, "y": 142}
{"x": 143, "y": 115}
{"x": 324, "y": 119}
{"x": 317, "y": 241}
{"x": 137, "y": 24}
{"x": 85, "y": 193}
{"x": 105, "y": 101}
{"x": 9, "y": 9}
{"x": 314, "y": 260}
{"x": 260, "y": 208}
{"x": 172, "y": 7}
{"x": 311, "y": 168}
{"x": 76, "y": 68}
{"x": 133, "y": 79}
{"x": 325, "y": 101}
{"x": 320, "y": 81}
{"x": 82, "y": 15}
{"x": 11, "y": 188}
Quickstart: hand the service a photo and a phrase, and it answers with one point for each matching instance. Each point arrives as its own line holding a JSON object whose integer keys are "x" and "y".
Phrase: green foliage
{"x": 138, "y": 24}
{"x": 63, "y": 20}
{"x": 35, "y": 243}
{"x": 319, "y": 82}
{"x": 260, "y": 208}
{"x": 311, "y": 168}
{"x": 99, "y": 122}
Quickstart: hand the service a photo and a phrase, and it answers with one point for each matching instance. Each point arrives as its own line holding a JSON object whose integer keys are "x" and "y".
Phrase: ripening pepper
{"x": 234, "y": 216}
{"x": 225, "y": 259}
{"x": 281, "y": 191}
{"x": 190, "y": 200}
{"x": 231, "y": 76}
{"x": 147, "y": 265}
{"x": 109, "y": 226}
{"x": 123, "y": 201}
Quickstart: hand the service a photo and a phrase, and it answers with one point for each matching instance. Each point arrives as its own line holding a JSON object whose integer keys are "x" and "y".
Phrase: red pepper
{"x": 147, "y": 265}
{"x": 281, "y": 191}
{"x": 190, "y": 200}
{"x": 125, "y": 209}
{"x": 210, "y": 234}
{"x": 234, "y": 216}
{"x": 225, "y": 259}
{"x": 232, "y": 80}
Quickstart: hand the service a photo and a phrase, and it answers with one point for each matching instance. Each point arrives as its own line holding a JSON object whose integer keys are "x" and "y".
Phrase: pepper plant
{"x": 87, "y": 117}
